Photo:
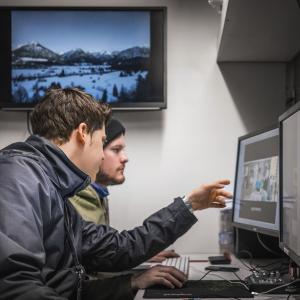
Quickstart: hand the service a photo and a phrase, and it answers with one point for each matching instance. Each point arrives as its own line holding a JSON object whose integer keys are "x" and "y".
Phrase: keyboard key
{"x": 181, "y": 263}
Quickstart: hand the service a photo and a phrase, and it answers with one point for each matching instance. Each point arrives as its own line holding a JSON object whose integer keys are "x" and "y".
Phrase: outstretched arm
{"x": 210, "y": 195}
{"x": 105, "y": 249}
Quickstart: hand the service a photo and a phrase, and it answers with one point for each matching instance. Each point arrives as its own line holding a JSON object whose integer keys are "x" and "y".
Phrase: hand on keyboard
{"x": 168, "y": 277}
{"x": 181, "y": 263}
{"x": 161, "y": 256}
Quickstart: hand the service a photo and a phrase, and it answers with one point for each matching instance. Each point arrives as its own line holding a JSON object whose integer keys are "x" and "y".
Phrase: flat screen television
{"x": 115, "y": 54}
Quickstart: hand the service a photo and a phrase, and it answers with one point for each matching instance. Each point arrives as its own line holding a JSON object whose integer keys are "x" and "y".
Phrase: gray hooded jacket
{"x": 36, "y": 260}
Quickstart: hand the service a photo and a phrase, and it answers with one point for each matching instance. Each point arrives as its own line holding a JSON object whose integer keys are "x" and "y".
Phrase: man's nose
{"x": 125, "y": 158}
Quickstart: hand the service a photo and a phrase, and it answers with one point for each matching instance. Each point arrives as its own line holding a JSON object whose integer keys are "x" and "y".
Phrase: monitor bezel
{"x": 161, "y": 56}
{"x": 257, "y": 229}
{"x": 291, "y": 111}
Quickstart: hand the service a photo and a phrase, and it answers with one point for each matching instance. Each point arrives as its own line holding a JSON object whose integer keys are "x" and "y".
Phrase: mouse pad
{"x": 200, "y": 289}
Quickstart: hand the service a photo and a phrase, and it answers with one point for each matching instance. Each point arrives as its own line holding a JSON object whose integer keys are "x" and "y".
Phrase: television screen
{"x": 116, "y": 55}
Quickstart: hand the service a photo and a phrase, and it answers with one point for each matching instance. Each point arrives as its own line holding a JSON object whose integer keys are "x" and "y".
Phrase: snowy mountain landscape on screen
{"x": 118, "y": 76}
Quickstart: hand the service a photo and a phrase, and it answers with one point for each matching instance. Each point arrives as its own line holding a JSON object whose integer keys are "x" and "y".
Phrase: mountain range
{"x": 37, "y": 51}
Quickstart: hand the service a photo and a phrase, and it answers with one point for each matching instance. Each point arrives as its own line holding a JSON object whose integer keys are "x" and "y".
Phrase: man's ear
{"x": 82, "y": 133}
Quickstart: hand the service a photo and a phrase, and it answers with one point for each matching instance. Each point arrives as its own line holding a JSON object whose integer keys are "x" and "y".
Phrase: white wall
{"x": 194, "y": 140}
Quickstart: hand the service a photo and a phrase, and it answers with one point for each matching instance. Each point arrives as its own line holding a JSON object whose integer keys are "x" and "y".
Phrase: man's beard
{"x": 107, "y": 180}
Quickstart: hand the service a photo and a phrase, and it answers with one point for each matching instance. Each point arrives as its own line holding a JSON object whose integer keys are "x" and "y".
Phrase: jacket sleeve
{"x": 105, "y": 249}
{"x": 22, "y": 254}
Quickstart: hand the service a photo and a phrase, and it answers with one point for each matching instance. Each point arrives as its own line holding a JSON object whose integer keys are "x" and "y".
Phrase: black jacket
{"x": 36, "y": 179}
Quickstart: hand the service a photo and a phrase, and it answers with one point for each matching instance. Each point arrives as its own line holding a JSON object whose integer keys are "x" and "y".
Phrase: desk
{"x": 197, "y": 270}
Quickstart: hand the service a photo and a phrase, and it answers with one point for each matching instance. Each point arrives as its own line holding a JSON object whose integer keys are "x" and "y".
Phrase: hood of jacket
{"x": 65, "y": 175}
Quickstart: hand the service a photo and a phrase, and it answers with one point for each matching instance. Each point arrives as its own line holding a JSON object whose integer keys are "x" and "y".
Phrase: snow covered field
{"x": 27, "y": 84}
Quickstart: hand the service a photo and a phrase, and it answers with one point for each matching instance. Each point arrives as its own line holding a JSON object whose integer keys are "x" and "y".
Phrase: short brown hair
{"x": 62, "y": 110}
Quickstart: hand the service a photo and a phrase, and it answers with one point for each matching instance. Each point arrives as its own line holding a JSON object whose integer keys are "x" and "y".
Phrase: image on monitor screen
{"x": 290, "y": 186}
{"x": 106, "y": 53}
{"x": 256, "y": 196}
{"x": 115, "y": 54}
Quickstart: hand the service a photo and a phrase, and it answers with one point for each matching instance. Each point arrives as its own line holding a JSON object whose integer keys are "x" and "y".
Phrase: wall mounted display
{"x": 115, "y": 54}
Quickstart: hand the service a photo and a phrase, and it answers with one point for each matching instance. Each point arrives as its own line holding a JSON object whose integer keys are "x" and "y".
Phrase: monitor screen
{"x": 116, "y": 55}
{"x": 256, "y": 192}
{"x": 290, "y": 185}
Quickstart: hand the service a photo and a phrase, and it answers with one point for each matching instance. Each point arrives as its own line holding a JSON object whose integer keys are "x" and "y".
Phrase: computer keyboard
{"x": 181, "y": 263}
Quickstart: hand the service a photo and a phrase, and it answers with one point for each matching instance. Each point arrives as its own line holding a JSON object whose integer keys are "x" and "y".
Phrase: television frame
{"x": 252, "y": 228}
{"x": 289, "y": 252}
{"x": 158, "y": 61}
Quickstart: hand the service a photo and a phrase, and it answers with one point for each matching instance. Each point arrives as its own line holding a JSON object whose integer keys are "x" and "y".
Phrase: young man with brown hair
{"x": 45, "y": 246}
{"x": 92, "y": 202}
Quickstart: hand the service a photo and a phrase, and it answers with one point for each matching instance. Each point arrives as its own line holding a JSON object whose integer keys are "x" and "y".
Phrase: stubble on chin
{"x": 107, "y": 180}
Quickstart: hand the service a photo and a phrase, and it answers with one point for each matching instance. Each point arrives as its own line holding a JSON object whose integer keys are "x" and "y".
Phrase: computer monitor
{"x": 256, "y": 191}
{"x": 289, "y": 125}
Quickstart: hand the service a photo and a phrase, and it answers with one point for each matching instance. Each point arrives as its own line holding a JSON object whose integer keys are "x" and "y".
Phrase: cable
{"x": 219, "y": 276}
{"x": 28, "y": 122}
{"x": 272, "y": 263}
{"x": 243, "y": 251}
{"x": 237, "y": 276}
{"x": 247, "y": 252}
{"x": 282, "y": 268}
{"x": 232, "y": 282}
{"x": 249, "y": 267}
{"x": 204, "y": 275}
{"x": 265, "y": 246}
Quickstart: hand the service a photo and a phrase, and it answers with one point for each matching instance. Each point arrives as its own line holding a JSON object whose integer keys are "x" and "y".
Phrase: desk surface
{"x": 197, "y": 270}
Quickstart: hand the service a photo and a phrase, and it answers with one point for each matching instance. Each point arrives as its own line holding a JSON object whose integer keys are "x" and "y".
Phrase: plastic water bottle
{"x": 226, "y": 231}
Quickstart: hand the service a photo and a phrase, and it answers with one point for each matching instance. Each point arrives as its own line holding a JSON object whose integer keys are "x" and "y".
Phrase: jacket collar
{"x": 67, "y": 177}
{"x": 100, "y": 189}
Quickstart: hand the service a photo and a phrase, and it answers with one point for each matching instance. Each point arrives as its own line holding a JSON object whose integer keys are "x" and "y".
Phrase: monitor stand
{"x": 246, "y": 244}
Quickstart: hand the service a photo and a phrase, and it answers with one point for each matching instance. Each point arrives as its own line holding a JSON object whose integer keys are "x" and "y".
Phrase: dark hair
{"x": 62, "y": 110}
